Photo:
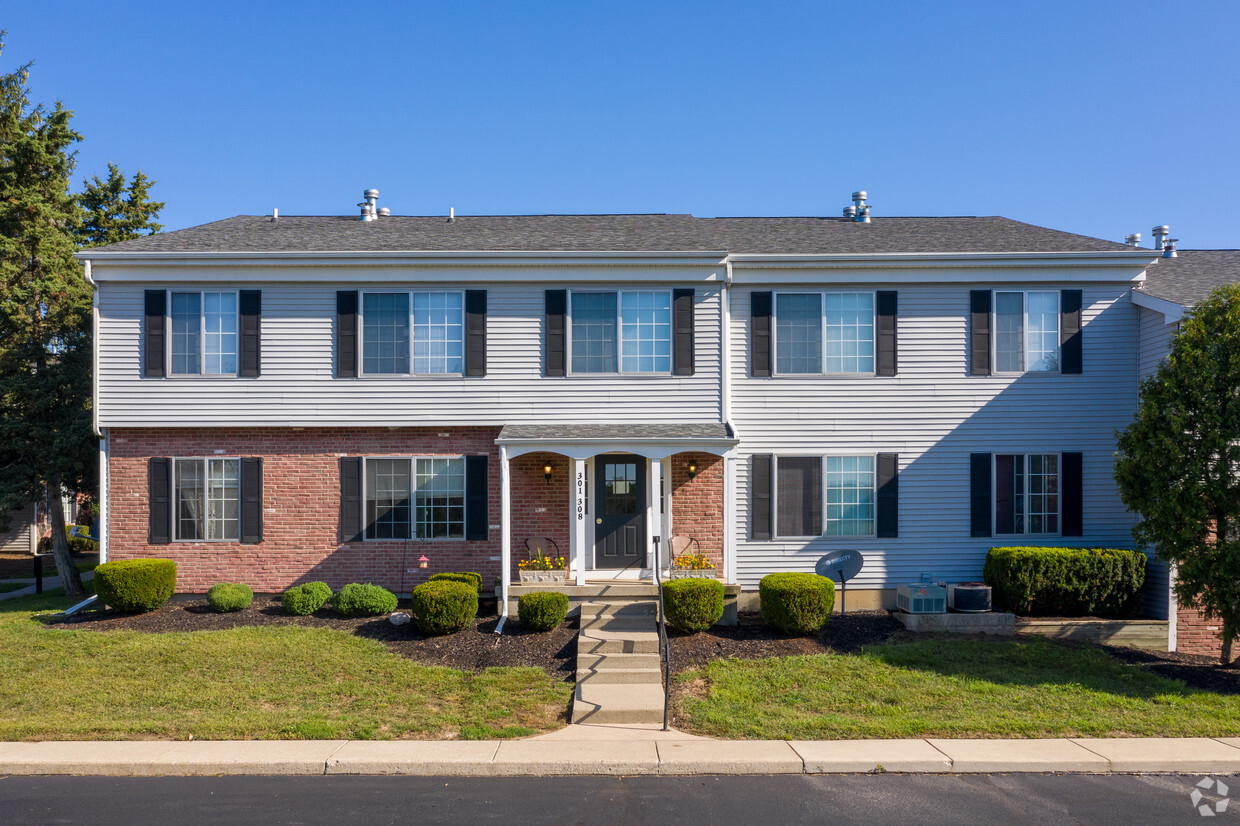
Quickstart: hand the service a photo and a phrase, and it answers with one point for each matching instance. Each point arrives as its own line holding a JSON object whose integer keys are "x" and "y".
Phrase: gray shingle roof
{"x": 615, "y": 233}
{"x": 1191, "y": 276}
{"x": 621, "y": 432}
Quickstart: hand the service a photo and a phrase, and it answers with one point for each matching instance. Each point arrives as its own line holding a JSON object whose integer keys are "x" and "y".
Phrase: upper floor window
{"x": 421, "y": 498}
{"x": 208, "y": 499}
{"x": 824, "y": 333}
{"x": 1027, "y": 493}
{"x": 626, "y": 332}
{"x": 204, "y": 333}
{"x": 433, "y": 322}
{"x": 1027, "y": 332}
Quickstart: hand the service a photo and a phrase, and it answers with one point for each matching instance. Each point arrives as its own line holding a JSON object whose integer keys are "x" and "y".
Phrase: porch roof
{"x": 650, "y": 440}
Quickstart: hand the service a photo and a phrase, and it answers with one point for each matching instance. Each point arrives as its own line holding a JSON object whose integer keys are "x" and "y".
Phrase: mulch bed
{"x": 474, "y": 648}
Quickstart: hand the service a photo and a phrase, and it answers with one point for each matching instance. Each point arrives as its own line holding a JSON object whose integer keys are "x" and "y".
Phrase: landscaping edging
{"x": 1135, "y": 633}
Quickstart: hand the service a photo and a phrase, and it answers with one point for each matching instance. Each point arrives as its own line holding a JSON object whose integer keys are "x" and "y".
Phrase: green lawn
{"x": 947, "y": 688}
{"x": 248, "y": 683}
{"x": 6, "y": 587}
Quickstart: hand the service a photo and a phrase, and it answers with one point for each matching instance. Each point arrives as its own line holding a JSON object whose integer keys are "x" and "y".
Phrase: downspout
{"x": 505, "y": 553}
{"x": 725, "y": 355}
{"x": 104, "y": 441}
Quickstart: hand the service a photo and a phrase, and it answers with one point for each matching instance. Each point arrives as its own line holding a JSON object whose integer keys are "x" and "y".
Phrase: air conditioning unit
{"x": 919, "y": 598}
{"x": 969, "y": 597}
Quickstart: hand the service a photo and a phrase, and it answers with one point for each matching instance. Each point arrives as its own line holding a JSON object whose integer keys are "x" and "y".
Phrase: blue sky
{"x": 1096, "y": 117}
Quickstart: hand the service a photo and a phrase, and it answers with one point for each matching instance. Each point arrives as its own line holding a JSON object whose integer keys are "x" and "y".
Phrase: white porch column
{"x": 656, "y": 507}
{"x": 578, "y": 537}
{"x": 729, "y": 519}
{"x": 505, "y": 554}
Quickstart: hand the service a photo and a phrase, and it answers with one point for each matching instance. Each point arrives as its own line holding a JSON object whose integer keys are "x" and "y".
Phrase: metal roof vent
{"x": 850, "y": 212}
{"x": 384, "y": 212}
{"x": 1169, "y": 248}
{"x": 369, "y": 211}
{"x": 861, "y": 210}
{"x": 1160, "y": 235}
{"x": 1133, "y": 239}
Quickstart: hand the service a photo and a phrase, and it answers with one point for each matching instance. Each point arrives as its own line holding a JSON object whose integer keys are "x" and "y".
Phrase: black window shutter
{"x": 251, "y": 306}
{"x": 887, "y": 495}
{"x": 979, "y": 335}
{"x": 761, "y": 485}
{"x": 346, "y": 334}
{"x": 557, "y": 312}
{"x": 159, "y": 500}
{"x": 251, "y": 501}
{"x": 1072, "y": 521}
{"x": 475, "y": 332}
{"x": 760, "y": 321}
{"x": 682, "y": 332}
{"x": 885, "y": 307}
{"x": 1070, "y": 331}
{"x": 1008, "y": 469}
{"x": 153, "y": 334}
{"x": 350, "y": 499}
{"x": 979, "y": 494}
{"x": 476, "y": 515}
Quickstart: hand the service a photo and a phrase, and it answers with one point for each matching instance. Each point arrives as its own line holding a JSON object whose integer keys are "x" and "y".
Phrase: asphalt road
{"x": 779, "y": 800}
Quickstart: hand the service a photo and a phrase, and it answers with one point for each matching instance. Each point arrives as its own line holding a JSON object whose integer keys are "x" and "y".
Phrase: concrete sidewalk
{"x": 620, "y": 750}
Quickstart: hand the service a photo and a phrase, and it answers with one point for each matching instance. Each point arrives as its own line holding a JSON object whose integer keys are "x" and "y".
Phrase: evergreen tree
{"x": 47, "y": 441}
{"x": 113, "y": 211}
{"x": 1179, "y": 461}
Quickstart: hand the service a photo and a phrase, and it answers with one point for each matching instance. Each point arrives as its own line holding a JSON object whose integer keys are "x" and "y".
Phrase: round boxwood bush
{"x": 356, "y": 600}
{"x": 693, "y": 604}
{"x": 307, "y": 598}
{"x": 796, "y": 603}
{"x": 444, "y": 607}
{"x": 227, "y": 597}
{"x": 542, "y": 610}
{"x": 468, "y": 577}
{"x": 135, "y": 585}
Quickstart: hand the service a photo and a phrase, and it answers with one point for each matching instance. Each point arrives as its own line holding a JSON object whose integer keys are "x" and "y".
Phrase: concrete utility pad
{"x": 1019, "y": 756}
{"x": 849, "y": 756}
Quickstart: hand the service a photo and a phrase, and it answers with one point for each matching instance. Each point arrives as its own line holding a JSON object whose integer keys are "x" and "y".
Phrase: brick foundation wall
{"x": 697, "y": 503}
{"x": 1194, "y": 634}
{"x": 301, "y": 507}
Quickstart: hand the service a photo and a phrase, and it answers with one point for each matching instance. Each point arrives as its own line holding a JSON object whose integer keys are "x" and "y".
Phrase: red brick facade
{"x": 1194, "y": 634}
{"x": 301, "y": 505}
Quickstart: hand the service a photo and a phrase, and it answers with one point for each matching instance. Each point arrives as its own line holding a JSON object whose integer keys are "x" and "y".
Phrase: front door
{"x": 619, "y": 512}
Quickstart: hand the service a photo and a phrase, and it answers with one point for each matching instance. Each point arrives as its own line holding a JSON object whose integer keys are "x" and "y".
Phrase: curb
{"x": 636, "y": 756}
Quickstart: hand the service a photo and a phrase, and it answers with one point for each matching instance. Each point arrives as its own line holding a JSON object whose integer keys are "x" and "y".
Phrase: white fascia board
{"x": 953, "y": 267}
{"x": 1171, "y": 311}
{"x": 649, "y": 448}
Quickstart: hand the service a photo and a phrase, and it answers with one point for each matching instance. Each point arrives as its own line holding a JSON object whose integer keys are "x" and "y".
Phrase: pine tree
{"x": 113, "y": 211}
{"x": 1179, "y": 461}
{"x": 46, "y": 438}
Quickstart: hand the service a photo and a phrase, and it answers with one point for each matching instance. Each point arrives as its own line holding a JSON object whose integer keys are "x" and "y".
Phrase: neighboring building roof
{"x": 612, "y": 233}
{"x": 624, "y": 432}
{"x": 1192, "y": 275}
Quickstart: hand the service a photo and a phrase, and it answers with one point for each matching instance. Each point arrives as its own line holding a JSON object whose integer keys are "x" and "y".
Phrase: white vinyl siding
{"x": 933, "y": 415}
{"x": 298, "y": 388}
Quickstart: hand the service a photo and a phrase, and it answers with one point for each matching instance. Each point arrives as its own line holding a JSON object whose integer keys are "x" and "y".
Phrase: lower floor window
{"x": 849, "y": 493}
{"x": 208, "y": 499}
{"x": 415, "y": 498}
{"x": 1027, "y": 493}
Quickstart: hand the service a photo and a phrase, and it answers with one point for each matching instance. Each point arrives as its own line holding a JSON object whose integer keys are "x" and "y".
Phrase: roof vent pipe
{"x": 861, "y": 210}
{"x": 1160, "y": 235}
{"x": 384, "y": 212}
{"x": 369, "y": 211}
{"x": 850, "y": 212}
{"x": 1169, "y": 248}
{"x": 1133, "y": 239}
{"x": 451, "y": 214}
{"x": 275, "y": 215}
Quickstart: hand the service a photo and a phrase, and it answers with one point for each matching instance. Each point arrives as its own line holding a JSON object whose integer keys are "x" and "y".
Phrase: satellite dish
{"x": 841, "y": 565}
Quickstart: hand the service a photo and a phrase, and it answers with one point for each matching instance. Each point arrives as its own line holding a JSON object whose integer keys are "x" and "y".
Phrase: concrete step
{"x": 618, "y": 625}
{"x": 606, "y": 642}
{"x": 602, "y": 662}
{"x": 614, "y": 676}
{"x": 603, "y": 703}
{"x": 642, "y": 609}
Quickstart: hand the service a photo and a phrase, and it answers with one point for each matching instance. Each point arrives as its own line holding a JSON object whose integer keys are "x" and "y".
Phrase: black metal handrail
{"x": 664, "y": 645}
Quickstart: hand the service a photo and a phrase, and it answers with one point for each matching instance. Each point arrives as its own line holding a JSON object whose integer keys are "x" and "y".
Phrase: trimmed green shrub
{"x": 301, "y": 600}
{"x": 357, "y": 600}
{"x": 443, "y": 607}
{"x": 77, "y": 545}
{"x": 135, "y": 585}
{"x": 542, "y": 610}
{"x": 693, "y": 604}
{"x": 1067, "y": 582}
{"x": 796, "y": 603}
{"x": 227, "y": 597}
{"x": 468, "y": 577}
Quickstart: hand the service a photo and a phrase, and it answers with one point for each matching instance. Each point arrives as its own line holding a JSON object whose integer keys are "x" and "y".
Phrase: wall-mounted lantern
{"x": 692, "y": 470}
{"x": 423, "y": 561}
{"x": 547, "y": 473}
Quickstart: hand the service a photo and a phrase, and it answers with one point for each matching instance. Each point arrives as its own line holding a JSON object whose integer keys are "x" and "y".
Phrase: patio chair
{"x": 545, "y": 546}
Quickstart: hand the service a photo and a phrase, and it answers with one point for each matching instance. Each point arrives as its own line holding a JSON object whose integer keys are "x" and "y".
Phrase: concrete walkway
{"x": 621, "y": 750}
{"x": 619, "y": 679}
{"x": 49, "y": 582}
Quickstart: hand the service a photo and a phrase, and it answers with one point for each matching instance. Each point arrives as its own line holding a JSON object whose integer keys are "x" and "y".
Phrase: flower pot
{"x": 694, "y": 573}
{"x": 559, "y": 576}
